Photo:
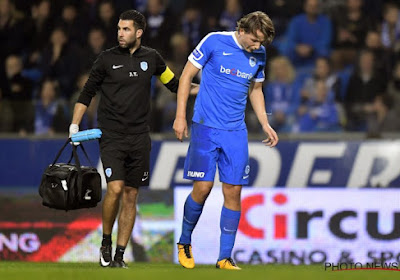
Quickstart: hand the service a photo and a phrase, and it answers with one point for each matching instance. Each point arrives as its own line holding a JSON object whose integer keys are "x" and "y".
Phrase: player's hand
{"x": 73, "y": 128}
{"x": 180, "y": 128}
{"x": 272, "y": 139}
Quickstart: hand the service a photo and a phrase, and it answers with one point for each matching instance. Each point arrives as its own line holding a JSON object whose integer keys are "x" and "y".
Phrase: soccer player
{"x": 232, "y": 66}
{"x": 123, "y": 76}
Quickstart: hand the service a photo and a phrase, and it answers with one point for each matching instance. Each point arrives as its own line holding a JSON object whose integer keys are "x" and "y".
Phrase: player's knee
{"x": 200, "y": 193}
{"x": 115, "y": 188}
{"x": 232, "y": 193}
{"x": 131, "y": 194}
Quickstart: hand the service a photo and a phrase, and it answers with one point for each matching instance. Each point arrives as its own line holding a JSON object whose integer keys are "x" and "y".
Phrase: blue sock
{"x": 229, "y": 225}
{"x": 191, "y": 215}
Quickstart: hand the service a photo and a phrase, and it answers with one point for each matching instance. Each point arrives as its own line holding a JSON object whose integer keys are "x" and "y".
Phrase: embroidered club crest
{"x": 144, "y": 66}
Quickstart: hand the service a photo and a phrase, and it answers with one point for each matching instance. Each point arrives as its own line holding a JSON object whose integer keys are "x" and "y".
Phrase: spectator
{"x": 11, "y": 29}
{"x": 281, "y": 100}
{"x": 351, "y": 25}
{"x": 107, "y": 21}
{"x": 51, "y": 114}
{"x": 322, "y": 72}
{"x": 394, "y": 88}
{"x": 193, "y": 25}
{"x": 11, "y": 35}
{"x": 230, "y": 15}
{"x": 382, "y": 117}
{"x": 180, "y": 50}
{"x": 58, "y": 61}
{"x": 281, "y": 12}
{"x": 75, "y": 26}
{"x": 18, "y": 96}
{"x": 364, "y": 85}
{"x": 391, "y": 27}
{"x": 308, "y": 36}
{"x": 386, "y": 56}
{"x": 41, "y": 26}
{"x": 160, "y": 26}
{"x": 95, "y": 45}
{"x": 319, "y": 114}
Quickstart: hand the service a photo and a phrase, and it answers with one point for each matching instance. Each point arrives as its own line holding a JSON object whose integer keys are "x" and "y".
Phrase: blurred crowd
{"x": 334, "y": 64}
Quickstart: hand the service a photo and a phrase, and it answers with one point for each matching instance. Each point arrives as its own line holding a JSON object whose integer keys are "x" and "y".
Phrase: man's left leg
{"x": 126, "y": 220}
{"x": 229, "y": 223}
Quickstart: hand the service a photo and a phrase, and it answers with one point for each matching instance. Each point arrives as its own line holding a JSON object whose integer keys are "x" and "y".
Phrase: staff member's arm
{"x": 96, "y": 77}
{"x": 256, "y": 96}
{"x": 168, "y": 78}
{"x": 185, "y": 84}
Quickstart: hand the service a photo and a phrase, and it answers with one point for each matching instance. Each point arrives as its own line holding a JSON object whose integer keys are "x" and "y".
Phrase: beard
{"x": 128, "y": 45}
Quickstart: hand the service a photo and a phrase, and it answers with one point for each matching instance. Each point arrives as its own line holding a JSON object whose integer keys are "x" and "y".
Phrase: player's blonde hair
{"x": 254, "y": 21}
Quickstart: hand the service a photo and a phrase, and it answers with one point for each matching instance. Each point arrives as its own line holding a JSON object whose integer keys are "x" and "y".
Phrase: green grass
{"x": 77, "y": 271}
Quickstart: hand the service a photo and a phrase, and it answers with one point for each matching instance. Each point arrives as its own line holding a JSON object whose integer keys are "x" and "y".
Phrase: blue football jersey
{"x": 227, "y": 72}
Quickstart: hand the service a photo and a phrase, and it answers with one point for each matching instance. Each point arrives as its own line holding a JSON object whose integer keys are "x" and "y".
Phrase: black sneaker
{"x": 105, "y": 256}
{"x": 119, "y": 263}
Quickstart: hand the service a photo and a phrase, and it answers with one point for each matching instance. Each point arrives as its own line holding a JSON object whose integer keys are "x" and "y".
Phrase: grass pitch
{"x": 147, "y": 271}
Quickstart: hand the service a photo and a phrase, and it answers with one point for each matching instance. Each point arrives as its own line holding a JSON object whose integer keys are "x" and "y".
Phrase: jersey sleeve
{"x": 96, "y": 77}
{"x": 165, "y": 75}
{"x": 203, "y": 51}
{"x": 259, "y": 77}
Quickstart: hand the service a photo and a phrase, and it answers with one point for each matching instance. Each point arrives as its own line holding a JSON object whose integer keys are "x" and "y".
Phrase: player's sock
{"x": 119, "y": 253}
{"x": 191, "y": 215}
{"x": 106, "y": 240}
{"x": 229, "y": 224}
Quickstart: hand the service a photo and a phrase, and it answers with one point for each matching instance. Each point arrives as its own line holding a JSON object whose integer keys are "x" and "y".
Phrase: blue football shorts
{"x": 210, "y": 147}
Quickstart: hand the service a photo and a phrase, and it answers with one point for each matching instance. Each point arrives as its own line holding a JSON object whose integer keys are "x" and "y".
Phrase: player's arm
{"x": 96, "y": 77}
{"x": 168, "y": 79}
{"x": 185, "y": 85}
{"x": 257, "y": 101}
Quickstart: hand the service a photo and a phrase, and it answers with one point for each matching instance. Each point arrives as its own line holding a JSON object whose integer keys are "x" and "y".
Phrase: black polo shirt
{"x": 124, "y": 81}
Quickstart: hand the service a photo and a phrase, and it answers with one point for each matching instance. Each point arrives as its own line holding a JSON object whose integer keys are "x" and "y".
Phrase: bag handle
{"x": 84, "y": 152}
{"x": 60, "y": 151}
{"x": 72, "y": 153}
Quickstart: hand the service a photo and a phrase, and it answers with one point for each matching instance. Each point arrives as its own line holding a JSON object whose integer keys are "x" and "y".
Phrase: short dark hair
{"x": 139, "y": 21}
{"x": 254, "y": 21}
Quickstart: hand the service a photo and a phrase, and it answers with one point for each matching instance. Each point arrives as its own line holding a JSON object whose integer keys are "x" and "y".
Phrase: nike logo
{"x": 117, "y": 66}
{"x": 225, "y": 53}
{"x": 103, "y": 262}
{"x": 145, "y": 178}
{"x": 229, "y": 230}
{"x": 245, "y": 177}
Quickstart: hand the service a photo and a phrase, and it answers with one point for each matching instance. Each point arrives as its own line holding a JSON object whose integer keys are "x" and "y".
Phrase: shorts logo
{"x": 145, "y": 176}
{"x": 144, "y": 65}
{"x": 196, "y": 174}
{"x": 108, "y": 172}
{"x": 252, "y": 61}
{"x": 247, "y": 171}
{"x": 197, "y": 54}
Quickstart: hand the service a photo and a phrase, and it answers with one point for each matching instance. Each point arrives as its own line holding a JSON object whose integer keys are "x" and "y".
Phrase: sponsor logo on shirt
{"x": 236, "y": 72}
